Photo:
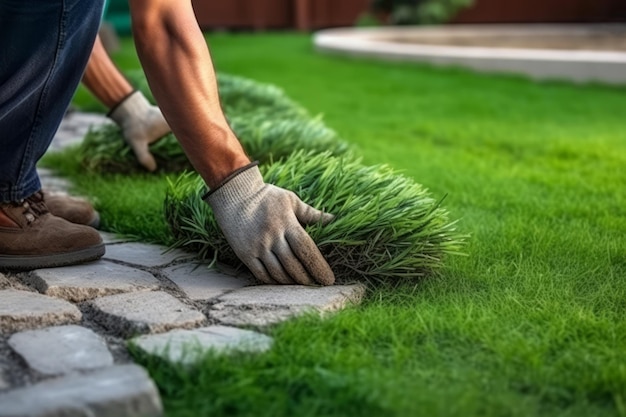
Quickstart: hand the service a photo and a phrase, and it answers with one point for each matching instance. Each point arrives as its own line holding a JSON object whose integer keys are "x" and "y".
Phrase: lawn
{"x": 532, "y": 322}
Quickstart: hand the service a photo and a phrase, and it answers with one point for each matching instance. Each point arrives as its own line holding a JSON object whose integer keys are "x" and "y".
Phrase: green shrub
{"x": 387, "y": 227}
{"x": 414, "y": 12}
{"x": 268, "y": 124}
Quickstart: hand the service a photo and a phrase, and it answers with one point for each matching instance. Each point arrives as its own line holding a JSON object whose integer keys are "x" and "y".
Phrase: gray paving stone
{"x": 74, "y": 127}
{"x": 84, "y": 282}
{"x": 201, "y": 283}
{"x": 26, "y": 310}
{"x": 143, "y": 254}
{"x": 117, "y": 391}
{"x": 144, "y": 312}
{"x": 61, "y": 350}
{"x": 55, "y": 184}
{"x": 328, "y": 298}
{"x": 52, "y": 182}
{"x": 268, "y": 304}
{"x": 45, "y": 172}
{"x": 189, "y": 346}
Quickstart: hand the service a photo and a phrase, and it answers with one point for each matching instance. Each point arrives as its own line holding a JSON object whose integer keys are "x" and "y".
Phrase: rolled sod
{"x": 269, "y": 125}
{"x": 387, "y": 226}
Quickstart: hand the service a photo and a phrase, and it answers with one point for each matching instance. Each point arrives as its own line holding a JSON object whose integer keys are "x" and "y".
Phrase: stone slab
{"x": 55, "y": 184}
{"x": 83, "y": 282}
{"x": 144, "y": 255}
{"x": 144, "y": 312}
{"x": 74, "y": 127}
{"x": 61, "y": 350}
{"x": 26, "y": 310}
{"x": 268, "y": 304}
{"x": 200, "y": 283}
{"x": 189, "y": 346}
{"x": 117, "y": 391}
{"x": 52, "y": 182}
{"x": 327, "y": 298}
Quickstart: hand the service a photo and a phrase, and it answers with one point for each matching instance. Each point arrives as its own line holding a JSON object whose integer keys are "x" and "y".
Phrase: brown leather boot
{"x": 72, "y": 209}
{"x": 31, "y": 237}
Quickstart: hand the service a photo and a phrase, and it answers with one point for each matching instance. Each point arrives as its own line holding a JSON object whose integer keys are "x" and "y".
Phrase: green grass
{"x": 530, "y": 323}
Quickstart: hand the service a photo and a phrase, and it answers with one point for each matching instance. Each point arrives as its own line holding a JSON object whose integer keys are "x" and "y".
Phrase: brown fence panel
{"x": 274, "y": 14}
{"x": 255, "y": 14}
{"x": 543, "y": 11}
{"x": 315, "y": 14}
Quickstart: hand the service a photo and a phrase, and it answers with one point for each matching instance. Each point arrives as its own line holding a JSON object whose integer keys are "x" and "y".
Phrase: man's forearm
{"x": 180, "y": 72}
{"x": 103, "y": 79}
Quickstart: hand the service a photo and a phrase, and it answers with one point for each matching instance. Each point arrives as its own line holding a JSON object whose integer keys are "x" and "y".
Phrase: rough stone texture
{"x": 322, "y": 298}
{"x": 268, "y": 304}
{"x": 201, "y": 283}
{"x": 144, "y": 255}
{"x": 259, "y": 316}
{"x": 144, "y": 312}
{"x": 23, "y": 310}
{"x": 117, "y": 391}
{"x": 61, "y": 350}
{"x": 189, "y": 346}
{"x": 84, "y": 282}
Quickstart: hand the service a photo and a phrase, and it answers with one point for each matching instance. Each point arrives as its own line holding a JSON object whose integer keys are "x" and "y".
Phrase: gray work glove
{"x": 141, "y": 124}
{"x": 263, "y": 225}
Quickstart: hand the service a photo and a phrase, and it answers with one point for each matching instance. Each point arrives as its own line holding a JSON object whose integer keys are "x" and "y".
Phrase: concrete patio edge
{"x": 573, "y": 65}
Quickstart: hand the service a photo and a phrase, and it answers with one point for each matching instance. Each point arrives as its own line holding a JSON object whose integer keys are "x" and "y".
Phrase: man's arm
{"x": 262, "y": 223}
{"x": 180, "y": 72}
{"x": 141, "y": 123}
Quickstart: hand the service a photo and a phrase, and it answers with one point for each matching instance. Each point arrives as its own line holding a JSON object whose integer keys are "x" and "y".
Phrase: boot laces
{"x": 34, "y": 207}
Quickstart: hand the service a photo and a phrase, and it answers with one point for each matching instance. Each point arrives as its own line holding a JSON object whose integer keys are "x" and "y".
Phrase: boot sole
{"x": 29, "y": 262}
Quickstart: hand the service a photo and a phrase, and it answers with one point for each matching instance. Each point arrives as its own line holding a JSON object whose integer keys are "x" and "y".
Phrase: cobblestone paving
{"x": 64, "y": 331}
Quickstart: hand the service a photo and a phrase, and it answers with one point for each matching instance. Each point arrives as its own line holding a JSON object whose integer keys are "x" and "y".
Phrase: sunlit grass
{"x": 530, "y": 323}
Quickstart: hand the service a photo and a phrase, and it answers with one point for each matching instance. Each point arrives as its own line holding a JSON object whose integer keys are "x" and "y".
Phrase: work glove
{"x": 263, "y": 225}
{"x": 141, "y": 124}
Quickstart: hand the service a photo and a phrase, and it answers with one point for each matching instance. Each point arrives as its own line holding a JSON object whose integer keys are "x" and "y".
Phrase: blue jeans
{"x": 44, "y": 48}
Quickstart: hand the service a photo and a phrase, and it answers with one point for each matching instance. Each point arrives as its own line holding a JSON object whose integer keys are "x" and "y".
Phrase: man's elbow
{"x": 148, "y": 19}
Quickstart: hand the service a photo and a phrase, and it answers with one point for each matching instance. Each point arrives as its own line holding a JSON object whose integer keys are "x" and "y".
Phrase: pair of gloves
{"x": 261, "y": 222}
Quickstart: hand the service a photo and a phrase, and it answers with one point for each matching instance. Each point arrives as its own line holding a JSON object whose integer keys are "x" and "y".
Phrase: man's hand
{"x": 262, "y": 224}
{"x": 142, "y": 124}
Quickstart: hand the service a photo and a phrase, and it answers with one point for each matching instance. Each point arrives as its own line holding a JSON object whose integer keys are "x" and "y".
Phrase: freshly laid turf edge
{"x": 387, "y": 227}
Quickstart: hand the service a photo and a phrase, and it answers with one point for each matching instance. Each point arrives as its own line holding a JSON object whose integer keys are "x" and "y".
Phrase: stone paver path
{"x": 64, "y": 331}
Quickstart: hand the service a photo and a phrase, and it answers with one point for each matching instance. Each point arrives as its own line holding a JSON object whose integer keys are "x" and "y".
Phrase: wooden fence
{"x": 543, "y": 11}
{"x": 277, "y": 14}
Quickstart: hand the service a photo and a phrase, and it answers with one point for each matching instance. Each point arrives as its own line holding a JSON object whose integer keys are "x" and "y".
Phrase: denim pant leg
{"x": 44, "y": 48}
